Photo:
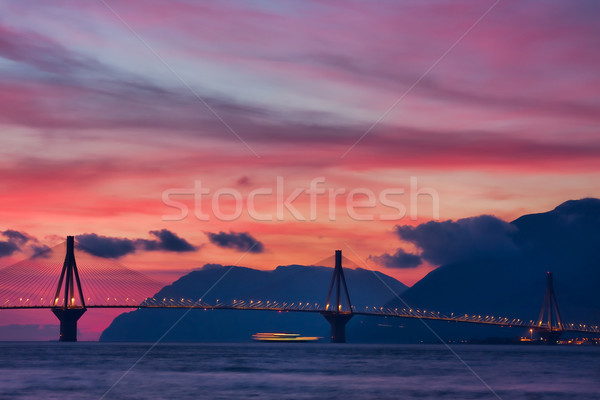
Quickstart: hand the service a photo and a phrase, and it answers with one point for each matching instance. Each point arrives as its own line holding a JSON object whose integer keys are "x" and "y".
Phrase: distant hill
{"x": 565, "y": 241}
{"x": 292, "y": 283}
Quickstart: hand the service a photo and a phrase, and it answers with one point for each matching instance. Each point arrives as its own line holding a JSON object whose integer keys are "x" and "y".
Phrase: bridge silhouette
{"x": 69, "y": 302}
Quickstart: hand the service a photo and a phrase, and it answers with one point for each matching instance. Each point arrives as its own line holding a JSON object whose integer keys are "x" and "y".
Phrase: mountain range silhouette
{"x": 508, "y": 281}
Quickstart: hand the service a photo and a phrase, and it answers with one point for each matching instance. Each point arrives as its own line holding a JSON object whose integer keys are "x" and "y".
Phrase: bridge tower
{"x": 549, "y": 323}
{"x": 69, "y": 312}
{"x": 334, "y": 312}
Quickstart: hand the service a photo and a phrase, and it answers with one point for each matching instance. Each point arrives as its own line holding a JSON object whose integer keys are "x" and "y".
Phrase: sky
{"x": 170, "y": 135}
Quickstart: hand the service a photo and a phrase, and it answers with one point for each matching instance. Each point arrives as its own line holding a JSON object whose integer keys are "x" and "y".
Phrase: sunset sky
{"x": 104, "y": 106}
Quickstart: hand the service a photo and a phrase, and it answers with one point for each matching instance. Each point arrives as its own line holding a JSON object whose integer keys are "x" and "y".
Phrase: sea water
{"x": 52, "y": 370}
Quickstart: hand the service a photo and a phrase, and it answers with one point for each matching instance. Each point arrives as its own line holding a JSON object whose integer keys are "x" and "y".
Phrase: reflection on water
{"x": 296, "y": 371}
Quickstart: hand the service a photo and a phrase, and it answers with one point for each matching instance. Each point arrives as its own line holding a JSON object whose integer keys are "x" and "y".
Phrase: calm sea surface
{"x": 296, "y": 371}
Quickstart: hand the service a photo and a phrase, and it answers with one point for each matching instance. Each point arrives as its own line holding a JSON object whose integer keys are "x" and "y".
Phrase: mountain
{"x": 564, "y": 241}
{"x": 292, "y": 283}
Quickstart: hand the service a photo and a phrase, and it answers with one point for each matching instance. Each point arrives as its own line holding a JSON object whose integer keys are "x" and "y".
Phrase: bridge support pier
{"x": 68, "y": 318}
{"x": 550, "y": 336}
{"x": 550, "y": 329}
{"x": 338, "y": 323}
{"x": 334, "y": 313}
{"x": 69, "y": 313}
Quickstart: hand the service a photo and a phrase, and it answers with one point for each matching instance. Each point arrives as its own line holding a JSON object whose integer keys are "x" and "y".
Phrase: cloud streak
{"x": 104, "y": 95}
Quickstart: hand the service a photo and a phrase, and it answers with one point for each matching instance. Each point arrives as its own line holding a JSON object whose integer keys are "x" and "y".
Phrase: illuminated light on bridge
{"x": 338, "y": 309}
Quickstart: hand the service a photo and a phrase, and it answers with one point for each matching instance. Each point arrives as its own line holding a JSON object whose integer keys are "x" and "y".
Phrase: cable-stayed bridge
{"x": 98, "y": 283}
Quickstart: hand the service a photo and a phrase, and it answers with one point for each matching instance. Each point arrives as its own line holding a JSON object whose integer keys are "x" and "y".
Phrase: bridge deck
{"x": 316, "y": 308}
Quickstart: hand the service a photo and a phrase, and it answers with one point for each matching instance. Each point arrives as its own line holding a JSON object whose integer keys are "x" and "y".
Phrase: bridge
{"x": 69, "y": 303}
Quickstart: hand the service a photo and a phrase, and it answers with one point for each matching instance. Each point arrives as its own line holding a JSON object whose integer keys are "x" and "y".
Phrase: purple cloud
{"x": 400, "y": 259}
{"x": 241, "y": 241}
{"x": 115, "y": 247}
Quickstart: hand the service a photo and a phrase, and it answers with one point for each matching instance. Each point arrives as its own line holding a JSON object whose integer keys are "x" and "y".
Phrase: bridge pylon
{"x": 335, "y": 313}
{"x": 549, "y": 324}
{"x": 69, "y": 311}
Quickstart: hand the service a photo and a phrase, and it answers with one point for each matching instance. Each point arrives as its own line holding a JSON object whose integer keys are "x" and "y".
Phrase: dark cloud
{"x": 168, "y": 241}
{"x": 7, "y": 248}
{"x": 240, "y": 241}
{"x": 17, "y": 237}
{"x": 105, "y": 246}
{"x": 400, "y": 259}
{"x": 97, "y": 245}
{"x": 16, "y": 240}
{"x": 115, "y": 247}
{"x": 465, "y": 239}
